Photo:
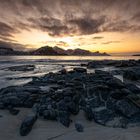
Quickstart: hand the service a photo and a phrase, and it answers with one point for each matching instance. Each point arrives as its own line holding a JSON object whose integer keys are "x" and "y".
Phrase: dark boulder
{"x": 115, "y": 83}
{"x": 73, "y": 108}
{"x": 14, "y": 111}
{"x": 80, "y": 70}
{"x": 50, "y": 114}
{"x": 27, "y": 125}
{"x": 64, "y": 118}
{"x": 127, "y": 108}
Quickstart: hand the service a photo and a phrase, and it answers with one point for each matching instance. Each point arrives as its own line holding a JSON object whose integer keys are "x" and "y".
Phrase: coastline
{"x": 47, "y": 129}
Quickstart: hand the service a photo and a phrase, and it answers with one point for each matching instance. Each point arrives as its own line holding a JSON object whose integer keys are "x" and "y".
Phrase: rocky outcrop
{"x": 114, "y": 63}
{"x": 56, "y": 96}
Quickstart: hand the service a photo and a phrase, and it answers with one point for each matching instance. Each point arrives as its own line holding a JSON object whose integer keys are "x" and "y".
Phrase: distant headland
{"x": 47, "y": 50}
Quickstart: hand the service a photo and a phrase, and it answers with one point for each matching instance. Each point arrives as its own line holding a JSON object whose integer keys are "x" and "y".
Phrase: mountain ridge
{"x": 47, "y": 50}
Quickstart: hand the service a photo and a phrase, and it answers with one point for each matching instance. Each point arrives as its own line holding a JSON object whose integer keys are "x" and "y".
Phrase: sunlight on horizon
{"x": 123, "y": 43}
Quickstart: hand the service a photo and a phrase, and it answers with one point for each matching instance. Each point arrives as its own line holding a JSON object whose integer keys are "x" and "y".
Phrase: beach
{"x": 64, "y": 81}
{"x": 49, "y": 130}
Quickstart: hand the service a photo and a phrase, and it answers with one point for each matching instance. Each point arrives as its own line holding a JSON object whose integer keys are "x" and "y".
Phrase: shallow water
{"x": 44, "y": 65}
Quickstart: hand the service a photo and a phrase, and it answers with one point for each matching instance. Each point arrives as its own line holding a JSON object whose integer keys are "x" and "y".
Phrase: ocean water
{"x": 44, "y": 65}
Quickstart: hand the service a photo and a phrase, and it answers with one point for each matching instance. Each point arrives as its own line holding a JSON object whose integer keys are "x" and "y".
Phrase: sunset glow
{"x": 111, "y": 31}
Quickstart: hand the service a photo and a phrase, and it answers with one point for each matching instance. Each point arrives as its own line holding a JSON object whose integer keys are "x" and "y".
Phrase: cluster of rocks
{"x": 129, "y": 69}
{"x": 115, "y": 63}
{"x": 57, "y": 96}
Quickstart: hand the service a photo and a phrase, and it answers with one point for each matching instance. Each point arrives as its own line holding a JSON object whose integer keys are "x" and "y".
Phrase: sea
{"x": 44, "y": 65}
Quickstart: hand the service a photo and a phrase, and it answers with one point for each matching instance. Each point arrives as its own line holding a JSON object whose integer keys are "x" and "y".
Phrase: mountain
{"x": 85, "y": 52}
{"x": 5, "y": 51}
{"x": 136, "y": 55}
{"x": 78, "y": 52}
{"x": 47, "y": 50}
{"x": 10, "y": 51}
{"x": 59, "y": 50}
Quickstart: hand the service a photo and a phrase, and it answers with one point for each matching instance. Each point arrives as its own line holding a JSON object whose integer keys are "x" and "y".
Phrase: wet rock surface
{"x": 56, "y": 96}
{"x": 21, "y": 68}
{"x": 27, "y": 125}
{"x": 116, "y": 63}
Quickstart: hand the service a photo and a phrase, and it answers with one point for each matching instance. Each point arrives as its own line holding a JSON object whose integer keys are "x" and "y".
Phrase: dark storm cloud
{"x": 69, "y": 17}
{"x": 53, "y": 26}
{"x": 136, "y": 17}
{"x": 6, "y": 30}
{"x": 88, "y": 25}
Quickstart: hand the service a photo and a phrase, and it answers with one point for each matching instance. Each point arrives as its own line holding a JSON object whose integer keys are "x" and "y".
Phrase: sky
{"x": 111, "y": 26}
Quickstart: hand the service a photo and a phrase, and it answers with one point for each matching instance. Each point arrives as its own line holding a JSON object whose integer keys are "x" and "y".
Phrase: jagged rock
{"x": 73, "y": 108}
{"x": 115, "y": 83}
{"x": 27, "y": 125}
{"x": 64, "y": 118}
{"x": 127, "y": 108}
{"x": 63, "y": 71}
{"x": 120, "y": 94}
{"x": 133, "y": 88}
{"x": 50, "y": 114}
{"x": 57, "y": 96}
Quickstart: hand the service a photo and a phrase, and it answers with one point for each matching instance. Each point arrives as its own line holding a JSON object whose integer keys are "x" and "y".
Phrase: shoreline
{"x": 69, "y": 96}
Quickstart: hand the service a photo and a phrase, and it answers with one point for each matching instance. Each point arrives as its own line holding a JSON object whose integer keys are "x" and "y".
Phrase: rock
{"x": 63, "y": 118}
{"x": 27, "y": 125}
{"x": 14, "y": 111}
{"x": 50, "y": 114}
{"x": 118, "y": 122}
{"x": 63, "y": 71}
{"x": 2, "y": 106}
{"x": 79, "y": 127}
{"x": 88, "y": 113}
{"x": 61, "y": 105}
{"x": 120, "y": 94}
{"x": 127, "y": 108}
{"x": 73, "y": 108}
{"x": 12, "y": 100}
{"x": 102, "y": 115}
{"x": 131, "y": 75}
{"x": 57, "y": 96}
{"x": 61, "y": 82}
{"x": 115, "y": 83}
{"x": 80, "y": 70}
{"x": 133, "y": 88}
{"x": 22, "y": 68}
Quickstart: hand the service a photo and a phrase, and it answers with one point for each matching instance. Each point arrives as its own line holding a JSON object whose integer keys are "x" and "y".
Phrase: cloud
{"x": 136, "y": 17}
{"x": 62, "y": 43}
{"x": 15, "y": 46}
{"x": 53, "y": 26}
{"x": 87, "y": 26}
{"x": 6, "y": 30}
{"x": 110, "y": 42}
{"x": 98, "y": 37}
{"x": 60, "y": 18}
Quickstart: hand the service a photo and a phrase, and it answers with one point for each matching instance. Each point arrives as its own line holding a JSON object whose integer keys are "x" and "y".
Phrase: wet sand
{"x": 50, "y": 130}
